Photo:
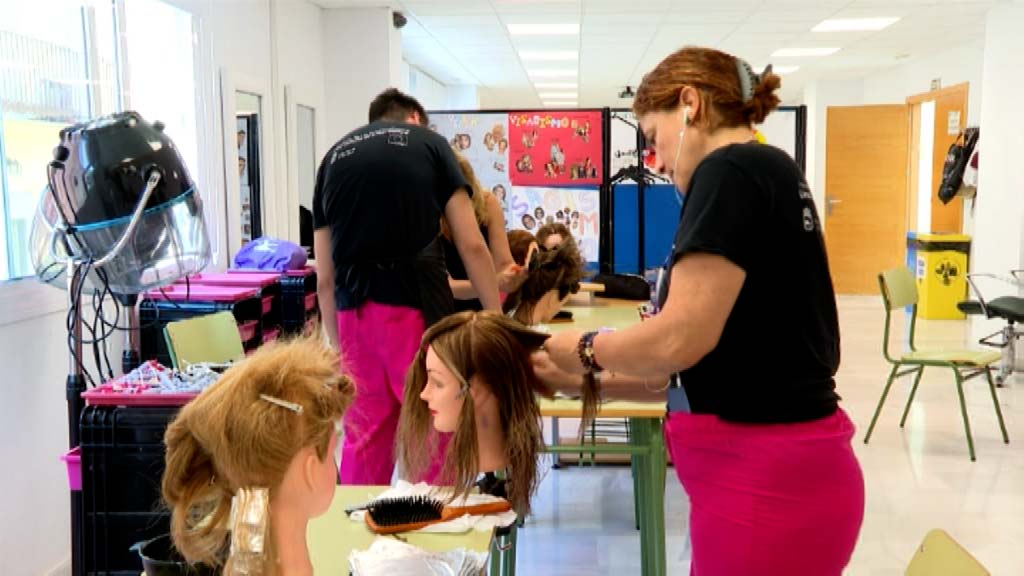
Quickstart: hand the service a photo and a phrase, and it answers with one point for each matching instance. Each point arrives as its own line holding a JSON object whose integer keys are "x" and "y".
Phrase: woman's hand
{"x": 556, "y": 379}
{"x": 562, "y": 349}
{"x": 511, "y": 278}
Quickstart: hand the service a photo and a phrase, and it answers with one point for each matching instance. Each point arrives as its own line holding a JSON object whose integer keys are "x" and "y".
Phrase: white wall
{"x": 463, "y": 97}
{"x": 437, "y": 96}
{"x": 819, "y": 96}
{"x": 954, "y": 66}
{"x": 275, "y": 45}
{"x": 999, "y": 235}
{"x": 362, "y": 57}
{"x": 431, "y": 94}
{"x": 299, "y": 72}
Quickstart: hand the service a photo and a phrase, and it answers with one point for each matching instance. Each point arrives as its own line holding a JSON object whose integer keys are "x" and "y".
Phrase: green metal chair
{"x": 899, "y": 290}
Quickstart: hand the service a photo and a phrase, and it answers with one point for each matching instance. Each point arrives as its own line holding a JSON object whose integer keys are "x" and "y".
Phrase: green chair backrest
{"x": 899, "y": 288}
{"x": 209, "y": 338}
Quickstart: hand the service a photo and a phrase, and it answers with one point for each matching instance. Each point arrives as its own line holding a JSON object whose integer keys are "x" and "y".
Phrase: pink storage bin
{"x": 301, "y": 271}
{"x": 202, "y": 293}
{"x": 268, "y": 304}
{"x": 310, "y": 301}
{"x": 73, "y": 461}
{"x": 249, "y": 279}
{"x": 247, "y": 330}
{"x": 271, "y": 334}
{"x": 106, "y": 395}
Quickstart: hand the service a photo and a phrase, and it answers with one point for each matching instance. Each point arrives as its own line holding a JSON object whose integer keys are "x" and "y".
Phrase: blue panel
{"x": 625, "y": 228}
{"x": 661, "y": 217}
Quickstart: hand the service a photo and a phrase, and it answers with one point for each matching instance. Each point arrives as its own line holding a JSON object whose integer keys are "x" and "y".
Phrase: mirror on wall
{"x": 248, "y": 124}
{"x": 306, "y": 166}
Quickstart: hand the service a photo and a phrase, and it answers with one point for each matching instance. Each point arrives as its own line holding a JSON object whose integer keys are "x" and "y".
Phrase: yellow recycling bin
{"x": 941, "y": 270}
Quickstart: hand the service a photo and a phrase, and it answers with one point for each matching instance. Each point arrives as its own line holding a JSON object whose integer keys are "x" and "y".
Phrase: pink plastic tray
{"x": 268, "y": 304}
{"x": 301, "y": 271}
{"x": 247, "y": 330}
{"x": 271, "y": 335}
{"x": 202, "y": 293}
{"x": 73, "y": 460}
{"x": 310, "y": 301}
{"x": 250, "y": 279}
{"x": 105, "y": 395}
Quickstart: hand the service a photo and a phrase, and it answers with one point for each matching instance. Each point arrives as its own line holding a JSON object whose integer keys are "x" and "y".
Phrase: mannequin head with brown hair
{"x": 268, "y": 423}
{"x": 551, "y": 236}
{"x": 473, "y": 377}
{"x": 553, "y": 275}
{"x": 520, "y": 243}
{"x": 697, "y": 100}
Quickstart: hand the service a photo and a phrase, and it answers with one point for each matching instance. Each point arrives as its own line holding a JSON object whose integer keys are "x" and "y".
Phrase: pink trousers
{"x": 378, "y": 343}
{"x": 779, "y": 499}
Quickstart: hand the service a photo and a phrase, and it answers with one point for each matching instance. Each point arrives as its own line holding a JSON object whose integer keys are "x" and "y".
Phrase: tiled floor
{"x": 917, "y": 478}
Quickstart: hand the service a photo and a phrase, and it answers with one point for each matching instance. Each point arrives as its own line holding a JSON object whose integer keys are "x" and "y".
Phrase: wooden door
{"x": 866, "y": 155}
{"x": 950, "y": 119}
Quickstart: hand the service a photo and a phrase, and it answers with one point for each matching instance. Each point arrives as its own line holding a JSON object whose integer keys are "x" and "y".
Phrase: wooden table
{"x": 646, "y": 445}
{"x": 332, "y": 537}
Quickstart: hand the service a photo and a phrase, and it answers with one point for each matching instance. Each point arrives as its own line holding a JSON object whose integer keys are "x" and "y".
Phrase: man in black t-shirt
{"x": 380, "y": 194}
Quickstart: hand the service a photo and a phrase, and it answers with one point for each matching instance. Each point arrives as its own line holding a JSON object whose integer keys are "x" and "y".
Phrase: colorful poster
{"x": 555, "y": 148}
{"x": 483, "y": 139}
{"x": 578, "y": 208}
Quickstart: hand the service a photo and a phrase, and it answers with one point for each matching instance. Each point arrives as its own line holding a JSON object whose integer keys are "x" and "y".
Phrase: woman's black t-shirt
{"x": 457, "y": 270}
{"x": 779, "y": 350}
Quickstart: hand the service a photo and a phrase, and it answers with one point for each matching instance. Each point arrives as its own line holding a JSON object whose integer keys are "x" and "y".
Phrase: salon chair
{"x": 1007, "y": 308}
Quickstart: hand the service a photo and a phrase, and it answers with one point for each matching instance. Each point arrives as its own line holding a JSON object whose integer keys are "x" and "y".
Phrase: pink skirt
{"x": 785, "y": 499}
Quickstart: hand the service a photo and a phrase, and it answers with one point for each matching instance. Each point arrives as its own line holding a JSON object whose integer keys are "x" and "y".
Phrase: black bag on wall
{"x": 956, "y": 161}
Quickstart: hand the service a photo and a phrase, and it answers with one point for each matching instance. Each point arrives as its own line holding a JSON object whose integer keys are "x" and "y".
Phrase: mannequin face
{"x": 553, "y": 241}
{"x": 442, "y": 393}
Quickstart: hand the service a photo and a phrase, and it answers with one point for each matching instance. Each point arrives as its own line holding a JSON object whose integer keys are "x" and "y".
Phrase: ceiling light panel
{"x": 558, "y": 95}
{"x": 552, "y": 73}
{"x": 855, "y": 24}
{"x": 555, "y": 85}
{"x": 804, "y": 52}
{"x": 546, "y": 29}
{"x": 548, "y": 55}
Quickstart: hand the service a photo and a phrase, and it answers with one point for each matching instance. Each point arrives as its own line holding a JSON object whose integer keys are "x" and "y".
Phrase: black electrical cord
{"x": 81, "y": 273}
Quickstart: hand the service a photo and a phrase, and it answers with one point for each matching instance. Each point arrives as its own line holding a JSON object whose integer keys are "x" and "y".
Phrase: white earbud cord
{"x": 679, "y": 148}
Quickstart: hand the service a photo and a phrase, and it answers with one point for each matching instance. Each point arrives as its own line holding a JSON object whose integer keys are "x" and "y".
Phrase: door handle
{"x": 830, "y": 204}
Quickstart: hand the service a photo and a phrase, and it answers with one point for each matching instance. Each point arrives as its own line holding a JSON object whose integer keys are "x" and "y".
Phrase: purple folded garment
{"x": 270, "y": 254}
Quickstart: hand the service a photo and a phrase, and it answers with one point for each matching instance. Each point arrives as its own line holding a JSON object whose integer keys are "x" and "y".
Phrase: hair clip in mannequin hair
{"x": 250, "y": 518}
{"x": 297, "y": 408}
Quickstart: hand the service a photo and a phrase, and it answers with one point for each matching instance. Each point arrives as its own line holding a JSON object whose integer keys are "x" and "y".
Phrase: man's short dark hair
{"x": 394, "y": 105}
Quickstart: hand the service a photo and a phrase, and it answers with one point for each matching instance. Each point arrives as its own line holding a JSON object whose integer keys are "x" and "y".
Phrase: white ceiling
{"x": 467, "y": 41}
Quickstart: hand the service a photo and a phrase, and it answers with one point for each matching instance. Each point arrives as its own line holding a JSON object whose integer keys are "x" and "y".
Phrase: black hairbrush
{"x": 393, "y": 515}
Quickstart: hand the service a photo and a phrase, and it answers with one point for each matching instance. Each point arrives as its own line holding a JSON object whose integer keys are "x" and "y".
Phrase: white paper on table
{"x": 485, "y": 523}
{"x": 390, "y": 557}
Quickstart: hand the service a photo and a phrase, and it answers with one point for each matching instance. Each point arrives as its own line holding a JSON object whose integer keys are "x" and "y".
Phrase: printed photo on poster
{"x": 483, "y": 140}
{"x": 555, "y": 148}
{"x": 578, "y": 208}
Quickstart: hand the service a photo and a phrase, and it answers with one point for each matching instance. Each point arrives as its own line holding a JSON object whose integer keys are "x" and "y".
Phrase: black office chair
{"x": 1008, "y": 308}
